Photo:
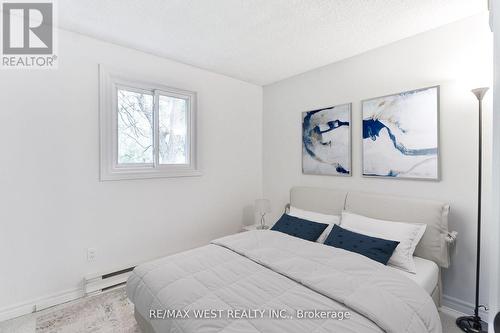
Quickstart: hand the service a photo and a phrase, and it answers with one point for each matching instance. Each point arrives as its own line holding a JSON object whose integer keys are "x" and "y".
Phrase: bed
{"x": 267, "y": 281}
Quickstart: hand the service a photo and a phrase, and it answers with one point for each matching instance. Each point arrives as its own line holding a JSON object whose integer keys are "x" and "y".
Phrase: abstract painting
{"x": 400, "y": 135}
{"x": 326, "y": 141}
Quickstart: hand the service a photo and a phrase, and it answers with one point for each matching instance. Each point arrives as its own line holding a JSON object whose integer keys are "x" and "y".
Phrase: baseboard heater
{"x": 101, "y": 282}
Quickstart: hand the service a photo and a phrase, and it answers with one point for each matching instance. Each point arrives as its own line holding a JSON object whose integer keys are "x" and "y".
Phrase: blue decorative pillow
{"x": 374, "y": 248}
{"x": 300, "y": 228}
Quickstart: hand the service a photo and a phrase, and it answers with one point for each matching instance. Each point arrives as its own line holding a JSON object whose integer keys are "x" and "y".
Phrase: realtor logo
{"x": 28, "y": 35}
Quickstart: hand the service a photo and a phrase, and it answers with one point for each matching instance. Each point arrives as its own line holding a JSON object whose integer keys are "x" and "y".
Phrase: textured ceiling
{"x": 260, "y": 41}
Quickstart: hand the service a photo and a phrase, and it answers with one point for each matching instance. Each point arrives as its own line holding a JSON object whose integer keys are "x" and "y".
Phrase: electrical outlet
{"x": 91, "y": 254}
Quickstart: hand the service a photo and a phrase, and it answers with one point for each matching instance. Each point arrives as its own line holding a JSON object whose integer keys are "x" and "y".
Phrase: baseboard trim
{"x": 39, "y": 304}
{"x": 16, "y": 311}
{"x": 462, "y": 308}
{"x": 451, "y": 312}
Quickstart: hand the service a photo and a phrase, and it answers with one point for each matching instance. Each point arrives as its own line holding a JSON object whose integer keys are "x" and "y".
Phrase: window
{"x": 147, "y": 130}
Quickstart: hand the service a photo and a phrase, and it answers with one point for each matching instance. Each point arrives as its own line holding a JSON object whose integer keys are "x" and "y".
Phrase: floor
{"x": 109, "y": 312}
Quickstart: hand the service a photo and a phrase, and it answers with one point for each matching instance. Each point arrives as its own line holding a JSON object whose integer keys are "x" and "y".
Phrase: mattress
{"x": 426, "y": 276}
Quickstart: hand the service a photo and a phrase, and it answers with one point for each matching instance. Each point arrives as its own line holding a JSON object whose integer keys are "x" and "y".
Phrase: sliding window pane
{"x": 135, "y": 127}
{"x": 173, "y": 130}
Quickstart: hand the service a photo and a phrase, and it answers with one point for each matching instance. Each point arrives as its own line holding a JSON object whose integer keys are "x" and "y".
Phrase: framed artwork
{"x": 326, "y": 141}
{"x": 400, "y": 135}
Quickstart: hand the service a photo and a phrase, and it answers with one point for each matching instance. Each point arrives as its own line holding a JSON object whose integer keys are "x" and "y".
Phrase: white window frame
{"x": 110, "y": 169}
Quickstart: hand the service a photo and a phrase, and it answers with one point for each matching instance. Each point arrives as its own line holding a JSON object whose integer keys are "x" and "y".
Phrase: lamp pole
{"x": 474, "y": 323}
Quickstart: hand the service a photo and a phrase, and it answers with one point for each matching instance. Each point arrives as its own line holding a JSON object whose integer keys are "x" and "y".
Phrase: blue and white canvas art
{"x": 326, "y": 141}
{"x": 400, "y": 135}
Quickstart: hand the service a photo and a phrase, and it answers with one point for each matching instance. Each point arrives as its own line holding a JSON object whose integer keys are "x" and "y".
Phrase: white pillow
{"x": 407, "y": 234}
{"x": 316, "y": 217}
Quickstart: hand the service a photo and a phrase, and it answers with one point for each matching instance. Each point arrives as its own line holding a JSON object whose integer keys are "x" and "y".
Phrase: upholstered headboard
{"x": 433, "y": 245}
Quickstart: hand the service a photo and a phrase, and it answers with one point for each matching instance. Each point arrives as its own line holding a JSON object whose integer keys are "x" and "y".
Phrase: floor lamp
{"x": 474, "y": 323}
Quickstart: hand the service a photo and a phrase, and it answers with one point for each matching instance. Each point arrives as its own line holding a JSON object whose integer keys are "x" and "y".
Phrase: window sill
{"x": 127, "y": 174}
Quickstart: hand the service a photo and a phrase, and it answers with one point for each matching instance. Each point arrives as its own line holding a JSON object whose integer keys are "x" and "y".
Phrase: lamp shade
{"x": 262, "y": 206}
{"x": 480, "y": 92}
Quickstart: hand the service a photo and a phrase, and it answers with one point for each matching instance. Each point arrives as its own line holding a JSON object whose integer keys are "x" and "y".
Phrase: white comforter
{"x": 263, "y": 270}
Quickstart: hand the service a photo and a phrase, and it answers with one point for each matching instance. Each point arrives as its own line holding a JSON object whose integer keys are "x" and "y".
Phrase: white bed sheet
{"x": 426, "y": 276}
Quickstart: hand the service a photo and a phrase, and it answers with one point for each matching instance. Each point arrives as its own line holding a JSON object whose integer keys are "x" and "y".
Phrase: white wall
{"x": 457, "y": 57}
{"x": 52, "y": 204}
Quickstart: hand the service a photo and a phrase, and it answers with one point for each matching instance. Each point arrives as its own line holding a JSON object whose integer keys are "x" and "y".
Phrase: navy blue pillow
{"x": 374, "y": 248}
{"x": 300, "y": 228}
